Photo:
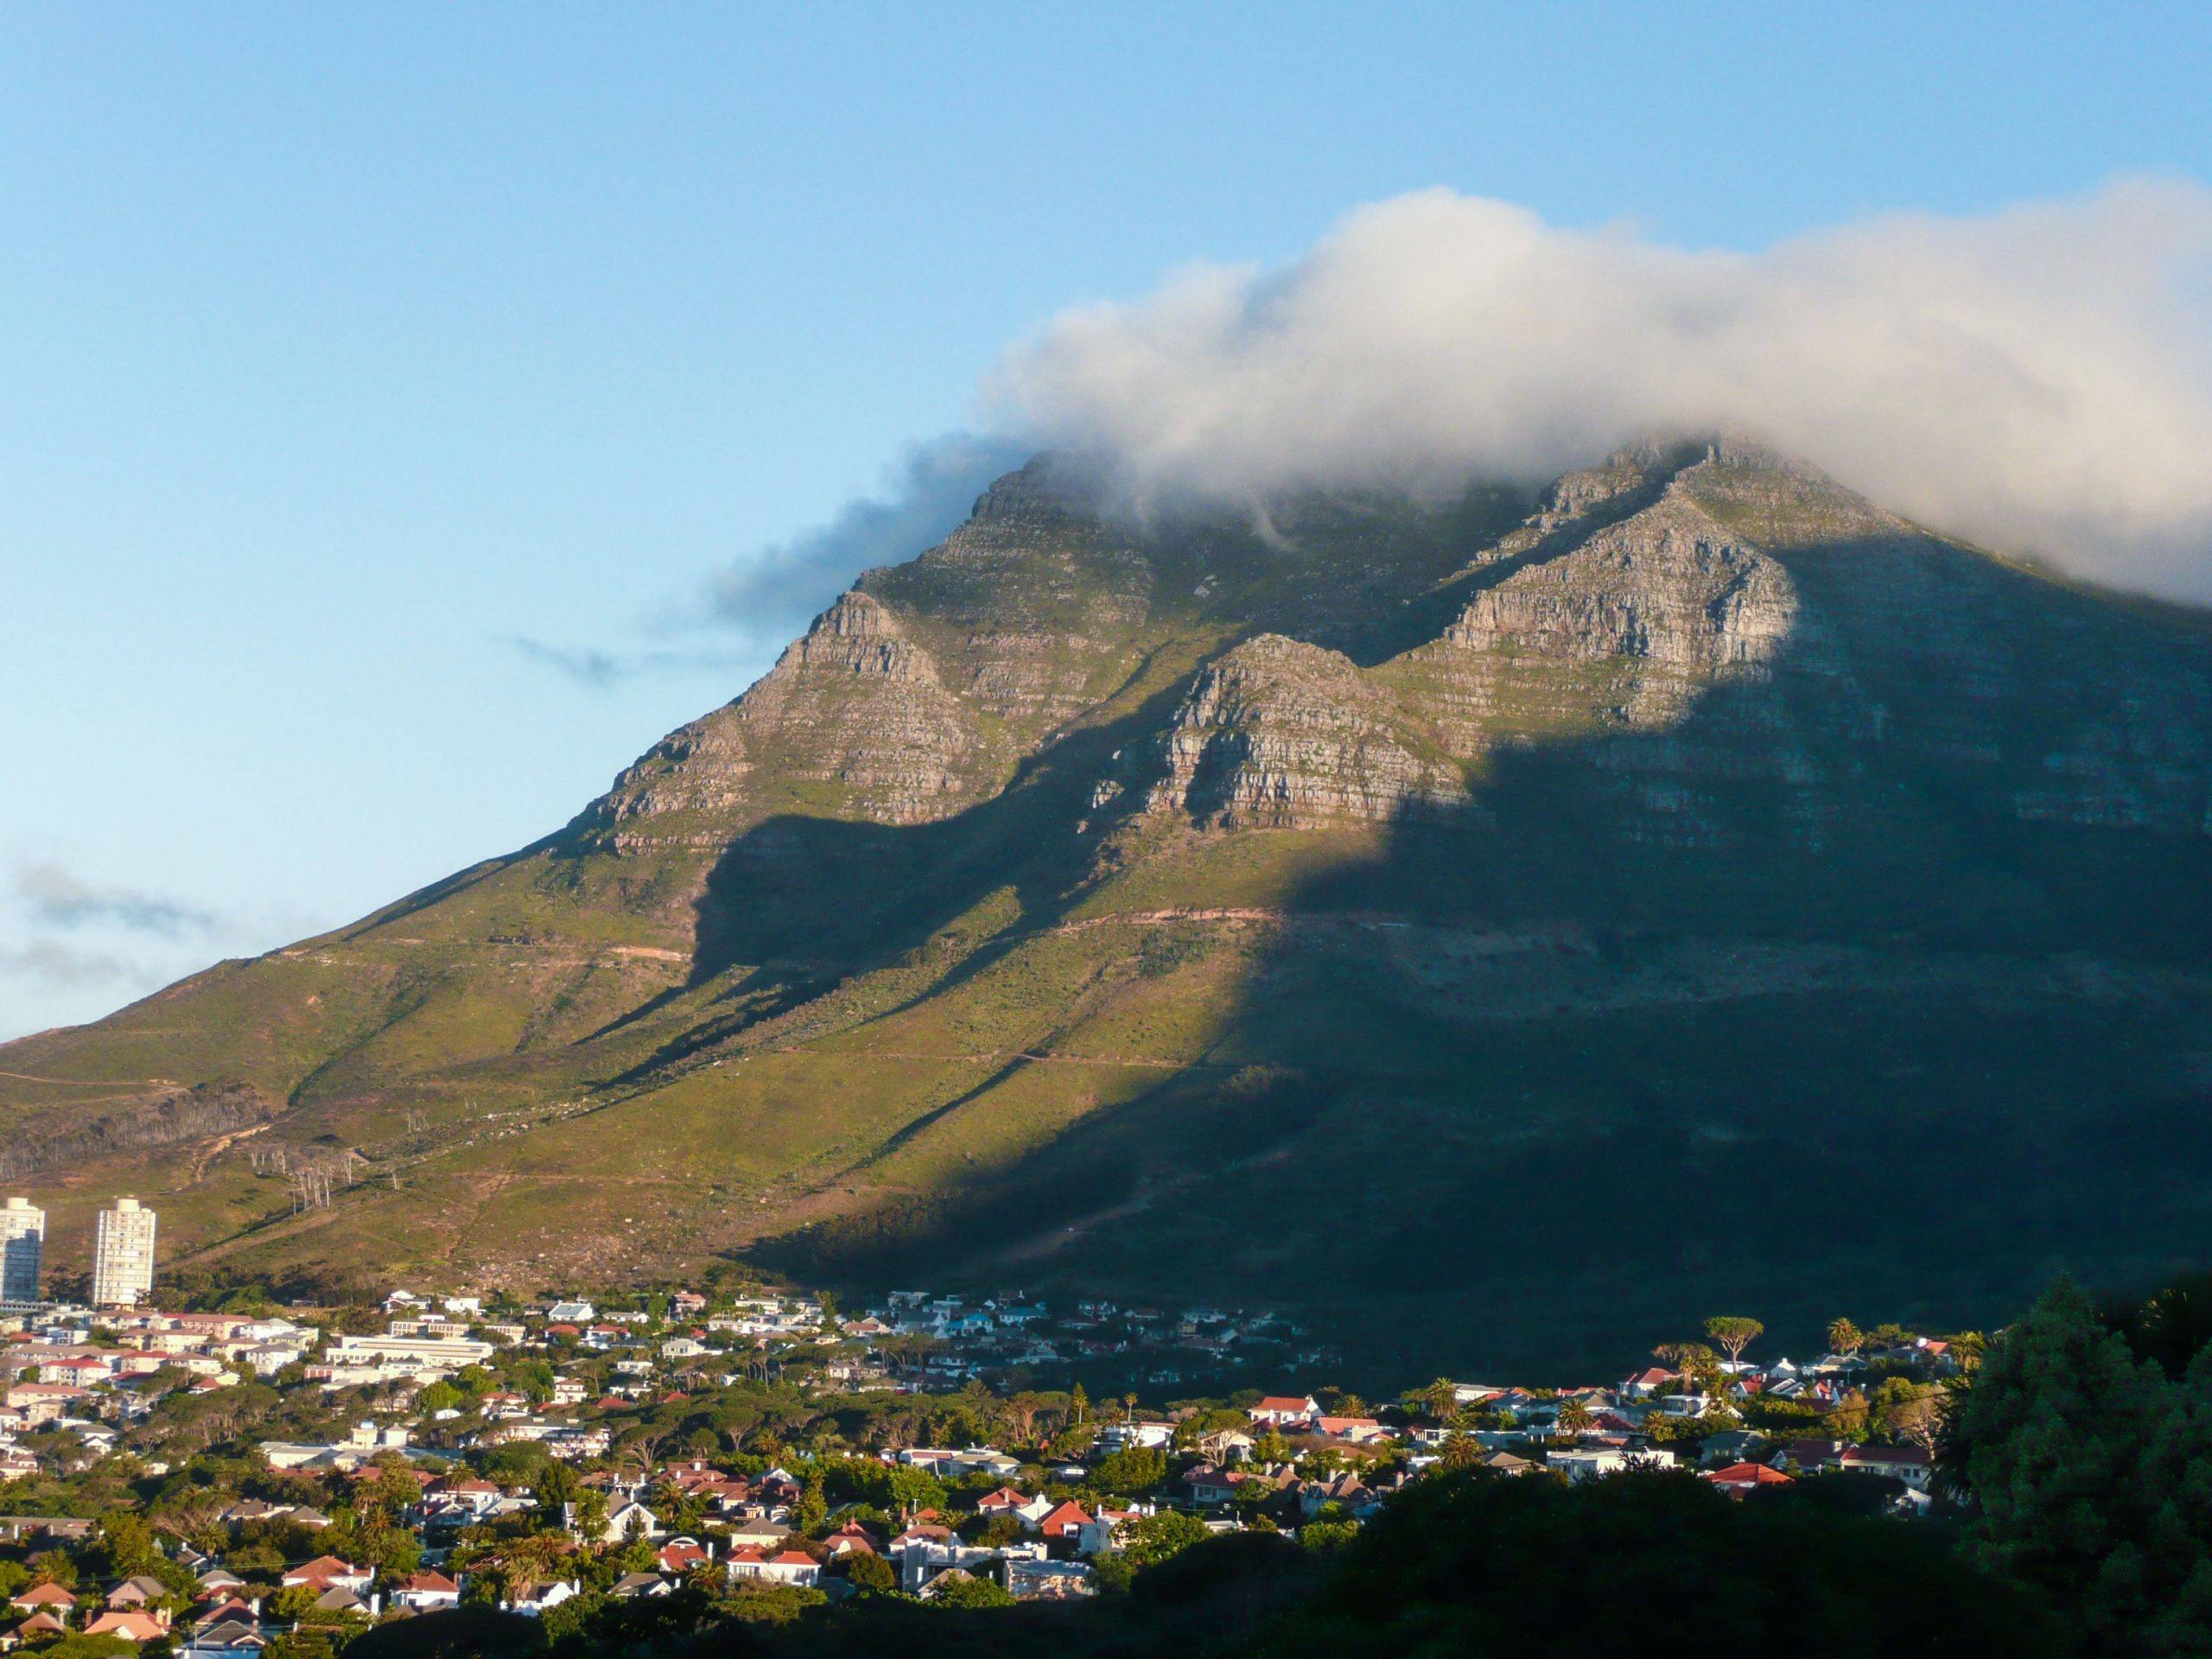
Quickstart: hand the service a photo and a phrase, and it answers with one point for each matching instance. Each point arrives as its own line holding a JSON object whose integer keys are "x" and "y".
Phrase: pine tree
{"x": 2090, "y": 1473}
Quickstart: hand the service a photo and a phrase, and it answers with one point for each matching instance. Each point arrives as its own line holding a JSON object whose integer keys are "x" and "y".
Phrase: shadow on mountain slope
{"x": 1884, "y": 990}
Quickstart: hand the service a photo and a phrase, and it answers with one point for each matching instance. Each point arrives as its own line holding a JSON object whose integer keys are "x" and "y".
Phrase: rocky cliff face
{"x": 178, "y": 1116}
{"x": 853, "y": 705}
{"x": 1280, "y": 732}
{"x": 1691, "y": 852}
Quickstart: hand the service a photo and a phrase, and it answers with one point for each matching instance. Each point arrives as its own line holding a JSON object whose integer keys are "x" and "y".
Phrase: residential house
{"x": 46, "y": 1599}
{"x": 1120, "y": 1436}
{"x": 1227, "y": 1445}
{"x": 630, "y": 1520}
{"x": 1910, "y": 1463}
{"x": 1740, "y": 1479}
{"x": 535, "y": 1600}
{"x": 1207, "y": 1486}
{"x": 1505, "y": 1463}
{"x": 1801, "y": 1456}
{"x": 1277, "y": 1410}
{"x": 427, "y": 1593}
{"x": 130, "y": 1625}
{"x": 679, "y": 1555}
{"x": 1065, "y": 1521}
{"x": 328, "y": 1572}
{"x": 1729, "y": 1445}
{"x": 1356, "y": 1430}
{"x": 1583, "y": 1463}
{"x": 228, "y": 1638}
{"x": 786, "y": 1566}
{"x": 1343, "y": 1489}
{"x": 339, "y": 1599}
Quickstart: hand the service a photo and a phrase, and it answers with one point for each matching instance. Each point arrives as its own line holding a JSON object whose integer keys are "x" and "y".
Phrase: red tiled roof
{"x": 1069, "y": 1515}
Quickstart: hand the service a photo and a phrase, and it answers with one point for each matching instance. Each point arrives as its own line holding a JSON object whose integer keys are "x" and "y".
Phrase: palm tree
{"x": 1440, "y": 1397}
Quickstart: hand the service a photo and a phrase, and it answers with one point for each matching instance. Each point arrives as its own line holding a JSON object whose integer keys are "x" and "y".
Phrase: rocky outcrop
{"x": 855, "y": 704}
{"x": 1671, "y": 586}
{"x": 857, "y": 636}
{"x": 179, "y": 1115}
{"x": 1282, "y": 732}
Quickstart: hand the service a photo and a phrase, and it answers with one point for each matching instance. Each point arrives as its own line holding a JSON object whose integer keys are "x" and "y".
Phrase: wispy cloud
{"x": 52, "y": 963}
{"x": 2040, "y": 377}
{"x": 769, "y": 594}
{"x": 51, "y": 895}
{"x": 602, "y": 669}
{"x": 759, "y": 600}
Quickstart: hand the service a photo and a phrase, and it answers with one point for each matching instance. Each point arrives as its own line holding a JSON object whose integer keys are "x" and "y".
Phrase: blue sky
{"x": 343, "y": 350}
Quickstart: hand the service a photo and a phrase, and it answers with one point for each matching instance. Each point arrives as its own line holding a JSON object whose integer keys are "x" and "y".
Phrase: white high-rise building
{"x": 123, "y": 1256}
{"x": 22, "y": 1249}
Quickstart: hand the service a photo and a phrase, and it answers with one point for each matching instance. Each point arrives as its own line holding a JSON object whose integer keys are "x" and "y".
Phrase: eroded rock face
{"x": 1791, "y": 616}
{"x": 1671, "y": 586}
{"x": 173, "y": 1115}
{"x": 1279, "y": 733}
{"x": 853, "y": 704}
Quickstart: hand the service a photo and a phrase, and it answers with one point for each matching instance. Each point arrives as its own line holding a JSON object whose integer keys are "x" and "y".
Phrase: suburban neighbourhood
{"x": 228, "y": 1481}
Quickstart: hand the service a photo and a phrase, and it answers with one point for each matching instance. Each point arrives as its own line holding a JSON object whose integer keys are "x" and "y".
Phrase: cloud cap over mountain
{"x": 2040, "y": 378}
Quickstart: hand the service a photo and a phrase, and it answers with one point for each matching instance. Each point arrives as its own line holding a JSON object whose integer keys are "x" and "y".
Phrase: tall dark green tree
{"x": 2089, "y": 1474}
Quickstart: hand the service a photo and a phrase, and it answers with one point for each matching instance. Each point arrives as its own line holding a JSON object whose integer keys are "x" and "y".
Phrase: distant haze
{"x": 2039, "y": 378}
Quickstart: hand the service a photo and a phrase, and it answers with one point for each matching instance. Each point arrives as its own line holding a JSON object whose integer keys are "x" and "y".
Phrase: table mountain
{"x": 1495, "y": 929}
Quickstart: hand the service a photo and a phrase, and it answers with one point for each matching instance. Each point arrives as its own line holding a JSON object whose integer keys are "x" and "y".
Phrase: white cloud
{"x": 2040, "y": 378}
{"x": 769, "y": 594}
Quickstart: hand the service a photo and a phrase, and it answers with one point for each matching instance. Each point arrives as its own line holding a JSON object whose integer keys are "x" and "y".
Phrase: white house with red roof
{"x": 679, "y": 1555}
{"x": 427, "y": 1593}
{"x": 1066, "y": 1521}
{"x": 1276, "y": 1410}
{"x": 328, "y": 1572}
{"x": 1356, "y": 1430}
{"x": 42, "y": 1598}
{"x": 1910, "y": 1463}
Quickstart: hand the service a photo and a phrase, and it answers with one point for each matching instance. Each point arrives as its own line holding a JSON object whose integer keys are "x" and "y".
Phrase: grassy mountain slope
{"x": 1695, "y": 885}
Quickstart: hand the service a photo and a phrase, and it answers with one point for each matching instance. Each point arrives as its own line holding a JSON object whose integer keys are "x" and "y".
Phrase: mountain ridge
{"x": 1690, "y": 818}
